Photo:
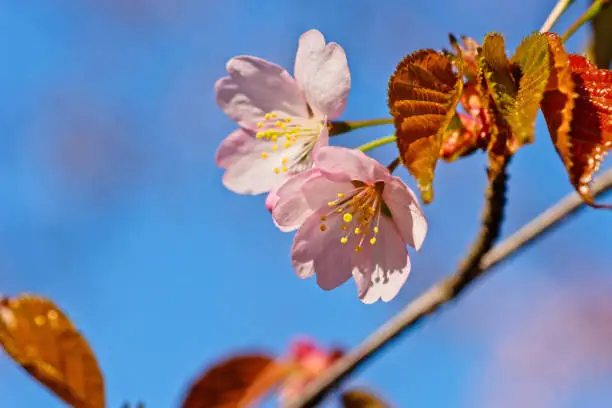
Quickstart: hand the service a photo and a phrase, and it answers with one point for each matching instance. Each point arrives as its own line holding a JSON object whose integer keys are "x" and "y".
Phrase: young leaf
{"x": 590, "y": 136}
{"x": 532, "y": 58}
{"x": 42, "y": 340}
{"x": 517, "y": 85}
{"x": 423, "y": 94}
{"x": 236, "y": 382}
{"x": 360, "y": 398}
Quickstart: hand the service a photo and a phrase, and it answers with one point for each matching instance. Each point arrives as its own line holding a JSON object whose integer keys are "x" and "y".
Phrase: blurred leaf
{"x": 532, "y": 58}
{"x": 590, "y": 136}
{"x": 359, "y": 398}
{"x": 423, "y": 94}
{"x": 235, "y": 383}
{"x": 40, "y": 338}
{"x": 601, "y": 48}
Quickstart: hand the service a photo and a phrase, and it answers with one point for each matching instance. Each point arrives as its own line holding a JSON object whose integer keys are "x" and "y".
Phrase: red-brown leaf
{"x": 590, "y": 136}
{"x": 236, "y": 382}
{"x": 423, "y": 94}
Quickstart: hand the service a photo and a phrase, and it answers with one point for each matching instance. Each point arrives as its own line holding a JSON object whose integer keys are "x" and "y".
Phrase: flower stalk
{"x": 377, "y": 143}
{"x": 340, "y": 127}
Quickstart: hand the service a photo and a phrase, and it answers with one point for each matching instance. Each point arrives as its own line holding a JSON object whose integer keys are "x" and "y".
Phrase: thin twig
{"x": 588, "y": 15}
{"x": 554, "y": 15}
{"x": 444, "y": 292}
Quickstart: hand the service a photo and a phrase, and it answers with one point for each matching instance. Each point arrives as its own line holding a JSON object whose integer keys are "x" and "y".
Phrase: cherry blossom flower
{"x": 354, "y": 218}
{"x": 283, "y": 120}
{"x": 308, "y": 360}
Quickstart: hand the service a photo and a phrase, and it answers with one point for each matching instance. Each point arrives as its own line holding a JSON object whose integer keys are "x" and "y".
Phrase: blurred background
{"x": 111, "y": 204}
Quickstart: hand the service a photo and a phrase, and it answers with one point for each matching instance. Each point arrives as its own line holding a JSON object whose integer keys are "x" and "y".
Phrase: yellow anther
{"x": 274, "y": 138}
{"x": 376, "y": 230}
{"x": 276, "y": 170}
{"x": 284, "y": 161}
{"x": 278, "y": 123}
{"x": 267, "y": 116}
{"x": 287, "y": 120}
{"x": 343, "y": 240}
{"x": 284, "y": 168}
{"x": 339, "y": 210}
{"x": 348, "y": 217}
{"x": 259, "y": 135}
{"x": 373, "y": 240}
{"x": 357, "y": 231}
{"x": 331, "y": 203}
{"x": 264, "y": 155}
{"x": 344, "y": 227}
{"x": 322, "y": 227}
{"x": 274, "y": 148}
{"x": 260, "y": 124}
{"x": 358, "y": 248}
{"x": 340, "y": 195}
{"x": 287, "y": 145}
{"x": 323, "y": 218}
{"x": 283, "y": 126}
{"x": 273, "y": 115}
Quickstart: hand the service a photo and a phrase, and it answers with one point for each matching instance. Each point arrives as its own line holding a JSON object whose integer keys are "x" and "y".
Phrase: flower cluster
{"x": 353, "y": 217}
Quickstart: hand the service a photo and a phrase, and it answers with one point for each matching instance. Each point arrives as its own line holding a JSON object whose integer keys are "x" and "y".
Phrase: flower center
{"x": 284, "y": 133}
{"x": 360, "y": 211}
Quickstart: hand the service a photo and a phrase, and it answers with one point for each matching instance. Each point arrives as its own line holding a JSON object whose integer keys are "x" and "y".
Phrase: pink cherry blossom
{"x": 282, "y": 120}
{"x": 308, "y": 360}
{"x": 354, "y": 219}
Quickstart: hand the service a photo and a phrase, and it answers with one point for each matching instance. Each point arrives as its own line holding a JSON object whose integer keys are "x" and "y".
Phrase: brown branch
{"x": 445, "y": 291}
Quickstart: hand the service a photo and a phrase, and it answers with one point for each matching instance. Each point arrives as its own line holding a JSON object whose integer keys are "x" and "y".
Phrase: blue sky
{"x": 111, "y": 203}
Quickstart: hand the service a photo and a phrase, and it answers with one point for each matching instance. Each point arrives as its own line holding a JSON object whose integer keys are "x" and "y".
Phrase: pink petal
{"x": 237, "y": 141}
{"x": 343, "y": 164}
{"x": 406, "y": 212}
{"x": 271, "y": 200}
{"x": 320, "y": 252}
{"x": 247, "y": 172}
{"x": 291, "y": 209}
{"x": 322, "y": 72}
{"x": 388, "y": 267}
{"x": 319, "y": 190}
{"x": 256, "y": 87}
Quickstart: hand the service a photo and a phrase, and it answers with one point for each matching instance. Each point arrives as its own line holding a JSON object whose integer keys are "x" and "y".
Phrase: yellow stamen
{"x": 287, "y": 120}
{"x": 348, "y": 217}
{"x": 357, "y": 231}
{"x": 340, "y": 195}
{"x": 339, "y": 210}
{"x": 284, "y": 168}
{"x": 376, "y": 230}
{"x": 278, "y": 123}
{"x": 267, "y": 116}
{"x": 331, "y": 203}
{"x": 358, "y": 248}
{"x": 273, "y": 115}
{"x": 260, "y": 124}
{"x": 323, "y": 218}
{"x": 259, "y": 135}
{"x": 274, "y": 148}
{"x": 343, "y": 240}
{"x": 284, "y": 161}
{"x": 322, "y": 227}
{"x": 276, "y": 170}
{"x": 373, "y": 240}
{"x": 264, "y": 155}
